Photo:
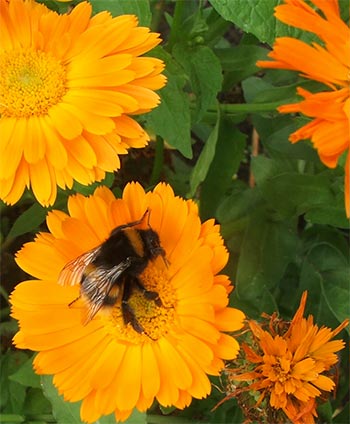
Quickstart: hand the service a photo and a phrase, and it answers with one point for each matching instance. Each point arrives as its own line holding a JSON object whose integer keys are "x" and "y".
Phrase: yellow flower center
{"x": 31, "y": 82}
{"x": 155, "y": 319}
{"x": 277, "y": 368}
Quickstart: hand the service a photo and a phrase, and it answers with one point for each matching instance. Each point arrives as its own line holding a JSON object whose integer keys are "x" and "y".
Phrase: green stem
{"x": 3, "y": 293}
{"x": 46, "y": 418}
{"x": 15, "y": 418}
{"x": 241, "y": 108}
{"x": 6, "y": 243}
{"x": 249, "y": 107}
{"x": 158, "y": 161}
{"x": 177, "y": 23}
{"x": 215, "y": 30}
{"x": 11, "y": 418}
{"x": 157, "y": 14}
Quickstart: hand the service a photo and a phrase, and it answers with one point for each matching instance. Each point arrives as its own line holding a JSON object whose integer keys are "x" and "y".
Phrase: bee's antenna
{"x": 149, "y": 217}
{"x": 147, "y": 212}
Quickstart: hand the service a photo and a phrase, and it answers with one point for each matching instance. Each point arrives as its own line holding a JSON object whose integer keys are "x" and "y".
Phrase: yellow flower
{"x": 329, "y": 64}
{"x": 68, "y": 85}
{"x": 288, "y": 366}
{"x": 106, "y": 363}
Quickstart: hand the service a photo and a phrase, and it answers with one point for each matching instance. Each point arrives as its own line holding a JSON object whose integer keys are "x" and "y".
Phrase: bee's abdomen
{"x": 112, "y": 297}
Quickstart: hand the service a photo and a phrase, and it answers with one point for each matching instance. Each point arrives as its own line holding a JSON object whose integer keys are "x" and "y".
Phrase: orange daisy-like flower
{"x": 68, "y": 85}
{"x": 106, "y": 362}
{"x": 288, "y": 365}
{"x": 329, "y": 129}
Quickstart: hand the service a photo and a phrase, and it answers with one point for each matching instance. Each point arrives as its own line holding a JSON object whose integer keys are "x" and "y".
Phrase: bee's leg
{"x": 149, "y": 294}
{"x": 127, "y": 311}
{"x": 73, "y": 301}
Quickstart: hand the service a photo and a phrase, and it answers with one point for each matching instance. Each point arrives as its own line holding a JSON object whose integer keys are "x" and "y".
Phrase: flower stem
{"x": 157, "y": 14}
{"x": 236, "y": 109}
{"x": 177, "y": 23}
{"x": 11, "y": 418}
{"x": 15, "y": 418}
{"x": 248, "y": 107}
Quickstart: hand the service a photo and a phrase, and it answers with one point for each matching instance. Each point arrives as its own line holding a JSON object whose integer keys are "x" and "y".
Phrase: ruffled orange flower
{"x": 288, "y": 365}
{"x": 68, "y": 85}
{"x": 329, "y": 64}
{"x": 108, "y": 364}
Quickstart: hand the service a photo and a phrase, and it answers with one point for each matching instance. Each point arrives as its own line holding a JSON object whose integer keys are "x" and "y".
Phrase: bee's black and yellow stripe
{"x": 115, "y": 270}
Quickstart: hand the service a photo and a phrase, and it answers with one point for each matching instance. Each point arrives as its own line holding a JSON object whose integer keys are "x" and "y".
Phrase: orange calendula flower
{"x": 288, "y": 365}
{"x": 329, "y": 64}
{"x": 67, "y": 87}
{"x": 109, "y": 363}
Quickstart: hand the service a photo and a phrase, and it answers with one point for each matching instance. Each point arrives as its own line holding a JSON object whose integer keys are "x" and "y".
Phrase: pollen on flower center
{"x": 277, "y": 369}
{"x": 31, "y": 82}
{"x": 155, "y": 319}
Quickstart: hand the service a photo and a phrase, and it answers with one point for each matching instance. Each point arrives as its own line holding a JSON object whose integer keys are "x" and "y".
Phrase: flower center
{"x": 156, "y": 319}
{"x": 31, "y": 82}
{"x": 277, "y": 369}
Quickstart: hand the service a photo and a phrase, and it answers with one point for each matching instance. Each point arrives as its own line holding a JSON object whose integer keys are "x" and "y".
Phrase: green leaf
{"x": 228, "y": 156}
{"x": 28, "y": 221}
{"x": 172, "y": 119}
{"x": 250, "y": 15}
{"x": 8, "y": 327}
{"x": 256, "y": 17}
{"x": 259, "y": 90}
{"x": 136, "y": 417}
{"x": 325, "y": 412}
{"x": 330, "y": 213}
{"x": 267, "y": 248}
{"x": 329, "y": 269}
{"x": 36, "y": 403}
{"x": 274, "y": 134}
{"x": 64, "y": 412}
{"x": 240, "y": 58}
{"x": 239, "y": 204}
{"x": 293, "y": 194}
{"x": 335, "y": 288}
{"x": 17, "y": 394}
{"x": 140, "y": 8}
{"x": 26, "y": 376}
{"x": 166, "y": 410}
{"x": 343, "y": 416}
{"x": 196, "y": 61}
{"x": 206, "y": 157}
{"x": 239, "y": 62}
{"x": 12, "y": 393}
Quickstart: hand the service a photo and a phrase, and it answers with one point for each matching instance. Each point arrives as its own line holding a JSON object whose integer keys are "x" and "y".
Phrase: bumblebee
{"x": 112, "y": 270}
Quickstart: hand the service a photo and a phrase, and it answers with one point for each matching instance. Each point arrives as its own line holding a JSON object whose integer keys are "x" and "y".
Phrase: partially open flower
{"x": 284, "y": 369}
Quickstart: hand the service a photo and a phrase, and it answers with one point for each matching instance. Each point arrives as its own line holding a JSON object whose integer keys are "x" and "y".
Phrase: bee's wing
{"x": 98, "y": 283}
{"x": 73, "y": 271}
